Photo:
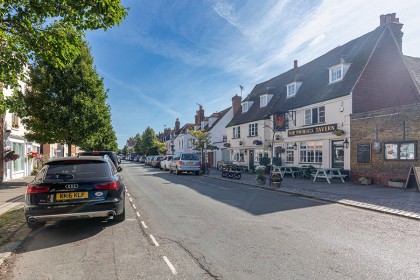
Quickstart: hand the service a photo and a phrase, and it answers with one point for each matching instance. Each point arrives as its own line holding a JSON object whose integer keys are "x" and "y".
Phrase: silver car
{"x": 185, "y": 162}
{"x": 165, "y": 163}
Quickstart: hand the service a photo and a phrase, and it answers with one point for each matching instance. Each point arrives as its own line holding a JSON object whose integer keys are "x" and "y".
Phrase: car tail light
{"x": 31, "y": 189}
{"x": 180, "y": 162}
{"x": 107, "y": 186}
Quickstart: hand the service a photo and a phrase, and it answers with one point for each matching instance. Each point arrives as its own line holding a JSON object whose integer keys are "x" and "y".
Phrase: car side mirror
{"x": 119, "y": 168}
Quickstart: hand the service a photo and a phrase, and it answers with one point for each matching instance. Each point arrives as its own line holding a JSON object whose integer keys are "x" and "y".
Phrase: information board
{"x": 413, "y": 178}
{"x": 363, "y": 153}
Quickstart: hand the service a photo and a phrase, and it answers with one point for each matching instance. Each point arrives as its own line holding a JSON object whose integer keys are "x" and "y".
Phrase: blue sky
{"x": 169, "y": 55}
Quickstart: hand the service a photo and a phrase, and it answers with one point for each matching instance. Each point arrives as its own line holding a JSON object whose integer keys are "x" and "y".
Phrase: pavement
{"x": 383, "y": 199}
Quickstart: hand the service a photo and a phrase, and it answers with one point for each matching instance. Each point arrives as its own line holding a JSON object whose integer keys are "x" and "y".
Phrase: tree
{"x": 125, "y": 150}
{"x": 66, "y": 105}
{"x": 49, "y": 30}
{"x": 201, "y": 141}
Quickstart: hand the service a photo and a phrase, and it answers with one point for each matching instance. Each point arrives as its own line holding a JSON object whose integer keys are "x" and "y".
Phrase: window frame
{"x": 320, "y": 115}
{"x": 290, "y": 153}
{"x": 236, "y": 132}
{"x": 291, "y": 93}
{"x": 252, "y": 129}
{"x": 245, "y": 107}
{"x": 265, "y": 99}
{"x": 335, "y": 69}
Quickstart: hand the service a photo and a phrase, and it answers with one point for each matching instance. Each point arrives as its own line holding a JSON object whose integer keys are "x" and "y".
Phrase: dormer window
{"x": 293, "y": 88}
{"x": 245, "y": 107}
{"x": 264, "y": 99}
{"x": 337, "y": 72}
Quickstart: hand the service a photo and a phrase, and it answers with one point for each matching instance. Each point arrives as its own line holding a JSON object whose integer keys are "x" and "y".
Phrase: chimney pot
{"x": 295, "y": 64}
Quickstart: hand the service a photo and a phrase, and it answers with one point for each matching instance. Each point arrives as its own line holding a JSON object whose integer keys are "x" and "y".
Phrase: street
{"x": 195, "y": 227}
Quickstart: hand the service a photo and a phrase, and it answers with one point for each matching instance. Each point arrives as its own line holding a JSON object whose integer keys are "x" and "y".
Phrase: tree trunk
{"x": 69, "y": 149}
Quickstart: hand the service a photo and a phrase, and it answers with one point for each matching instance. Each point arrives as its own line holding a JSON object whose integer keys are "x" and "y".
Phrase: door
{"x": 337, "y": 153}
{"x": 251, "y": 159}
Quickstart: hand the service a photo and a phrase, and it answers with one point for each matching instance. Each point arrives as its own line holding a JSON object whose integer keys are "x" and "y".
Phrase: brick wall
{"x": 386, "y": 81}
{"x": 390, "y": 125}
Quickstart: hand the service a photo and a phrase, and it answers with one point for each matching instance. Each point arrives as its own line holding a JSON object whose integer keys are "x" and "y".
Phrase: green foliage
{"x": 49, "y": 30}
{"x": 264, "y": 161}
{"x": 125, "y": 150}
{"x": 201, "y": 140}
{"x": 276, "y": 177}
{"x": 66, "y": 105}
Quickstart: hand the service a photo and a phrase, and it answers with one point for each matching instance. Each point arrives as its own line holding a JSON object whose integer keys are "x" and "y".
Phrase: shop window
{"x": 239, "y": 156}
{"x": 406, "y": 150}
{"x": 311, "y": 152}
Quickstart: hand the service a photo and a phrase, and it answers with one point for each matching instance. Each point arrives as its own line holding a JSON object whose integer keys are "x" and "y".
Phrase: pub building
{"x": 316, "y": 102}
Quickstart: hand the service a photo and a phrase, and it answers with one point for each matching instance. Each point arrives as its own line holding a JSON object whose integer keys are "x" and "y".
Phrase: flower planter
{"x": 396, "y": 184}
{"x": 365, "y": 181}
{"x": 276, "y": 184}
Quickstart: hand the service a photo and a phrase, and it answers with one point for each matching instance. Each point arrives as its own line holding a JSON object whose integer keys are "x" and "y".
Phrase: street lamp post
{"x": 172, "y": 147}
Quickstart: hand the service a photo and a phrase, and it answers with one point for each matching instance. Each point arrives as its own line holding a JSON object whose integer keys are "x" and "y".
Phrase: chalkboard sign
{"x": 363, "y": 153}
{"x": 413, "y": 179}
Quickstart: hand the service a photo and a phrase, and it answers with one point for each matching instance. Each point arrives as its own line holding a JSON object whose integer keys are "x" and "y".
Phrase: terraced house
{"x": 304, "y": 115}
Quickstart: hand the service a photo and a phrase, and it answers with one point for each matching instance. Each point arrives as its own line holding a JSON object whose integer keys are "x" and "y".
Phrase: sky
{"x": 169, "y": 56}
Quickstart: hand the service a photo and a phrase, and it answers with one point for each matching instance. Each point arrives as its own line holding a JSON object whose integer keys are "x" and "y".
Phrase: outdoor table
{"x": 303, "y": 172}
{"x": 288, "y": 170}
{"x": 328, "y": 173}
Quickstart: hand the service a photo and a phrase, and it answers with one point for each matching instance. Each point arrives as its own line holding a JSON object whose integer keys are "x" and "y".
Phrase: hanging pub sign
{"x": 313, "y": 130}
{"x": 280, "y": 122}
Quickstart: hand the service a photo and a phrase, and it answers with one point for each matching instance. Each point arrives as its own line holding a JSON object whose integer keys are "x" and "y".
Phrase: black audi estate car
{"x": 75, "y": 188}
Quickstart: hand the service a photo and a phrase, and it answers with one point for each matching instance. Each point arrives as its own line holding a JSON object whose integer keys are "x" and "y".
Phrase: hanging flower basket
{"x": 31, "y": 155}
{"x": 10, "y": 155}
{"x": 257, "y": 142}
{"x": 338, "y": 132}
{"x": 227, "y": 145}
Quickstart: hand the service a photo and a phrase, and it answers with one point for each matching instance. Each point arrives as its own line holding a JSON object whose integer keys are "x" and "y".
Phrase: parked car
{"x": 156, "y": 161}
{"x": 75, "y": 188}
{"x": 185, "y": 162}
{"x": 142, "y": 159}
{"x": 112, "y": 156}
{"x": 166, "y": 161}
{"x": 136, "y": 158}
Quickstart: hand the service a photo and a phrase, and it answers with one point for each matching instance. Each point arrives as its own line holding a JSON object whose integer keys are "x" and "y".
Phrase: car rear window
{"x": 77, "y": 170}
{"x": 189, "y": 157}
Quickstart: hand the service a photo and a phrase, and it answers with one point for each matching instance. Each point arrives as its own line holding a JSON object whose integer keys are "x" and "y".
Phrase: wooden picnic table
{"x": 328, "y": 173}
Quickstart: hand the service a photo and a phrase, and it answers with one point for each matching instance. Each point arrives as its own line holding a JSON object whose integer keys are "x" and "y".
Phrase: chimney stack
{"x": 199, "y": 116}
{"x": 295, "y": 64}
{"x": 395, "y": 26}
{"x": 236, "y": 103}
{"x": 177, "y": 124}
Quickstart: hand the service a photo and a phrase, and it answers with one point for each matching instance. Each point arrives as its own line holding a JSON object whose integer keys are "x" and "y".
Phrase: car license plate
{"x": 71, "y": 195}
{"x": 190, "y": 163}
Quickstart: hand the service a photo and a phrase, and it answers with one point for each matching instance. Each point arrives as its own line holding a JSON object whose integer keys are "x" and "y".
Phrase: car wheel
{"x": 197, "y": 173}
{"x": 34, "y": 224}
{"x": 119, "y": 218}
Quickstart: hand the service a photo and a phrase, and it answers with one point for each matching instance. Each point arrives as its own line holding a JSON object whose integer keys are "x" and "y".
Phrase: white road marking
{"x": 131, "y": 199}
{"x": 143, "y": 224}
{"x": 154, "y": 240}
{"x": 170, "y": 265}
{"x": 128, "y": 194}
{"x": 134, "y": 206}
{"x": 138, "y": 214}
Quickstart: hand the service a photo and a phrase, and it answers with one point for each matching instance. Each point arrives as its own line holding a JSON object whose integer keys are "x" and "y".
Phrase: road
{"x": 195, "y": 227}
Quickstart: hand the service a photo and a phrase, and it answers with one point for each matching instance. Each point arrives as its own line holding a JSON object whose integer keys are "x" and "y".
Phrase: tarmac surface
{"x": 371, "y": 197}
